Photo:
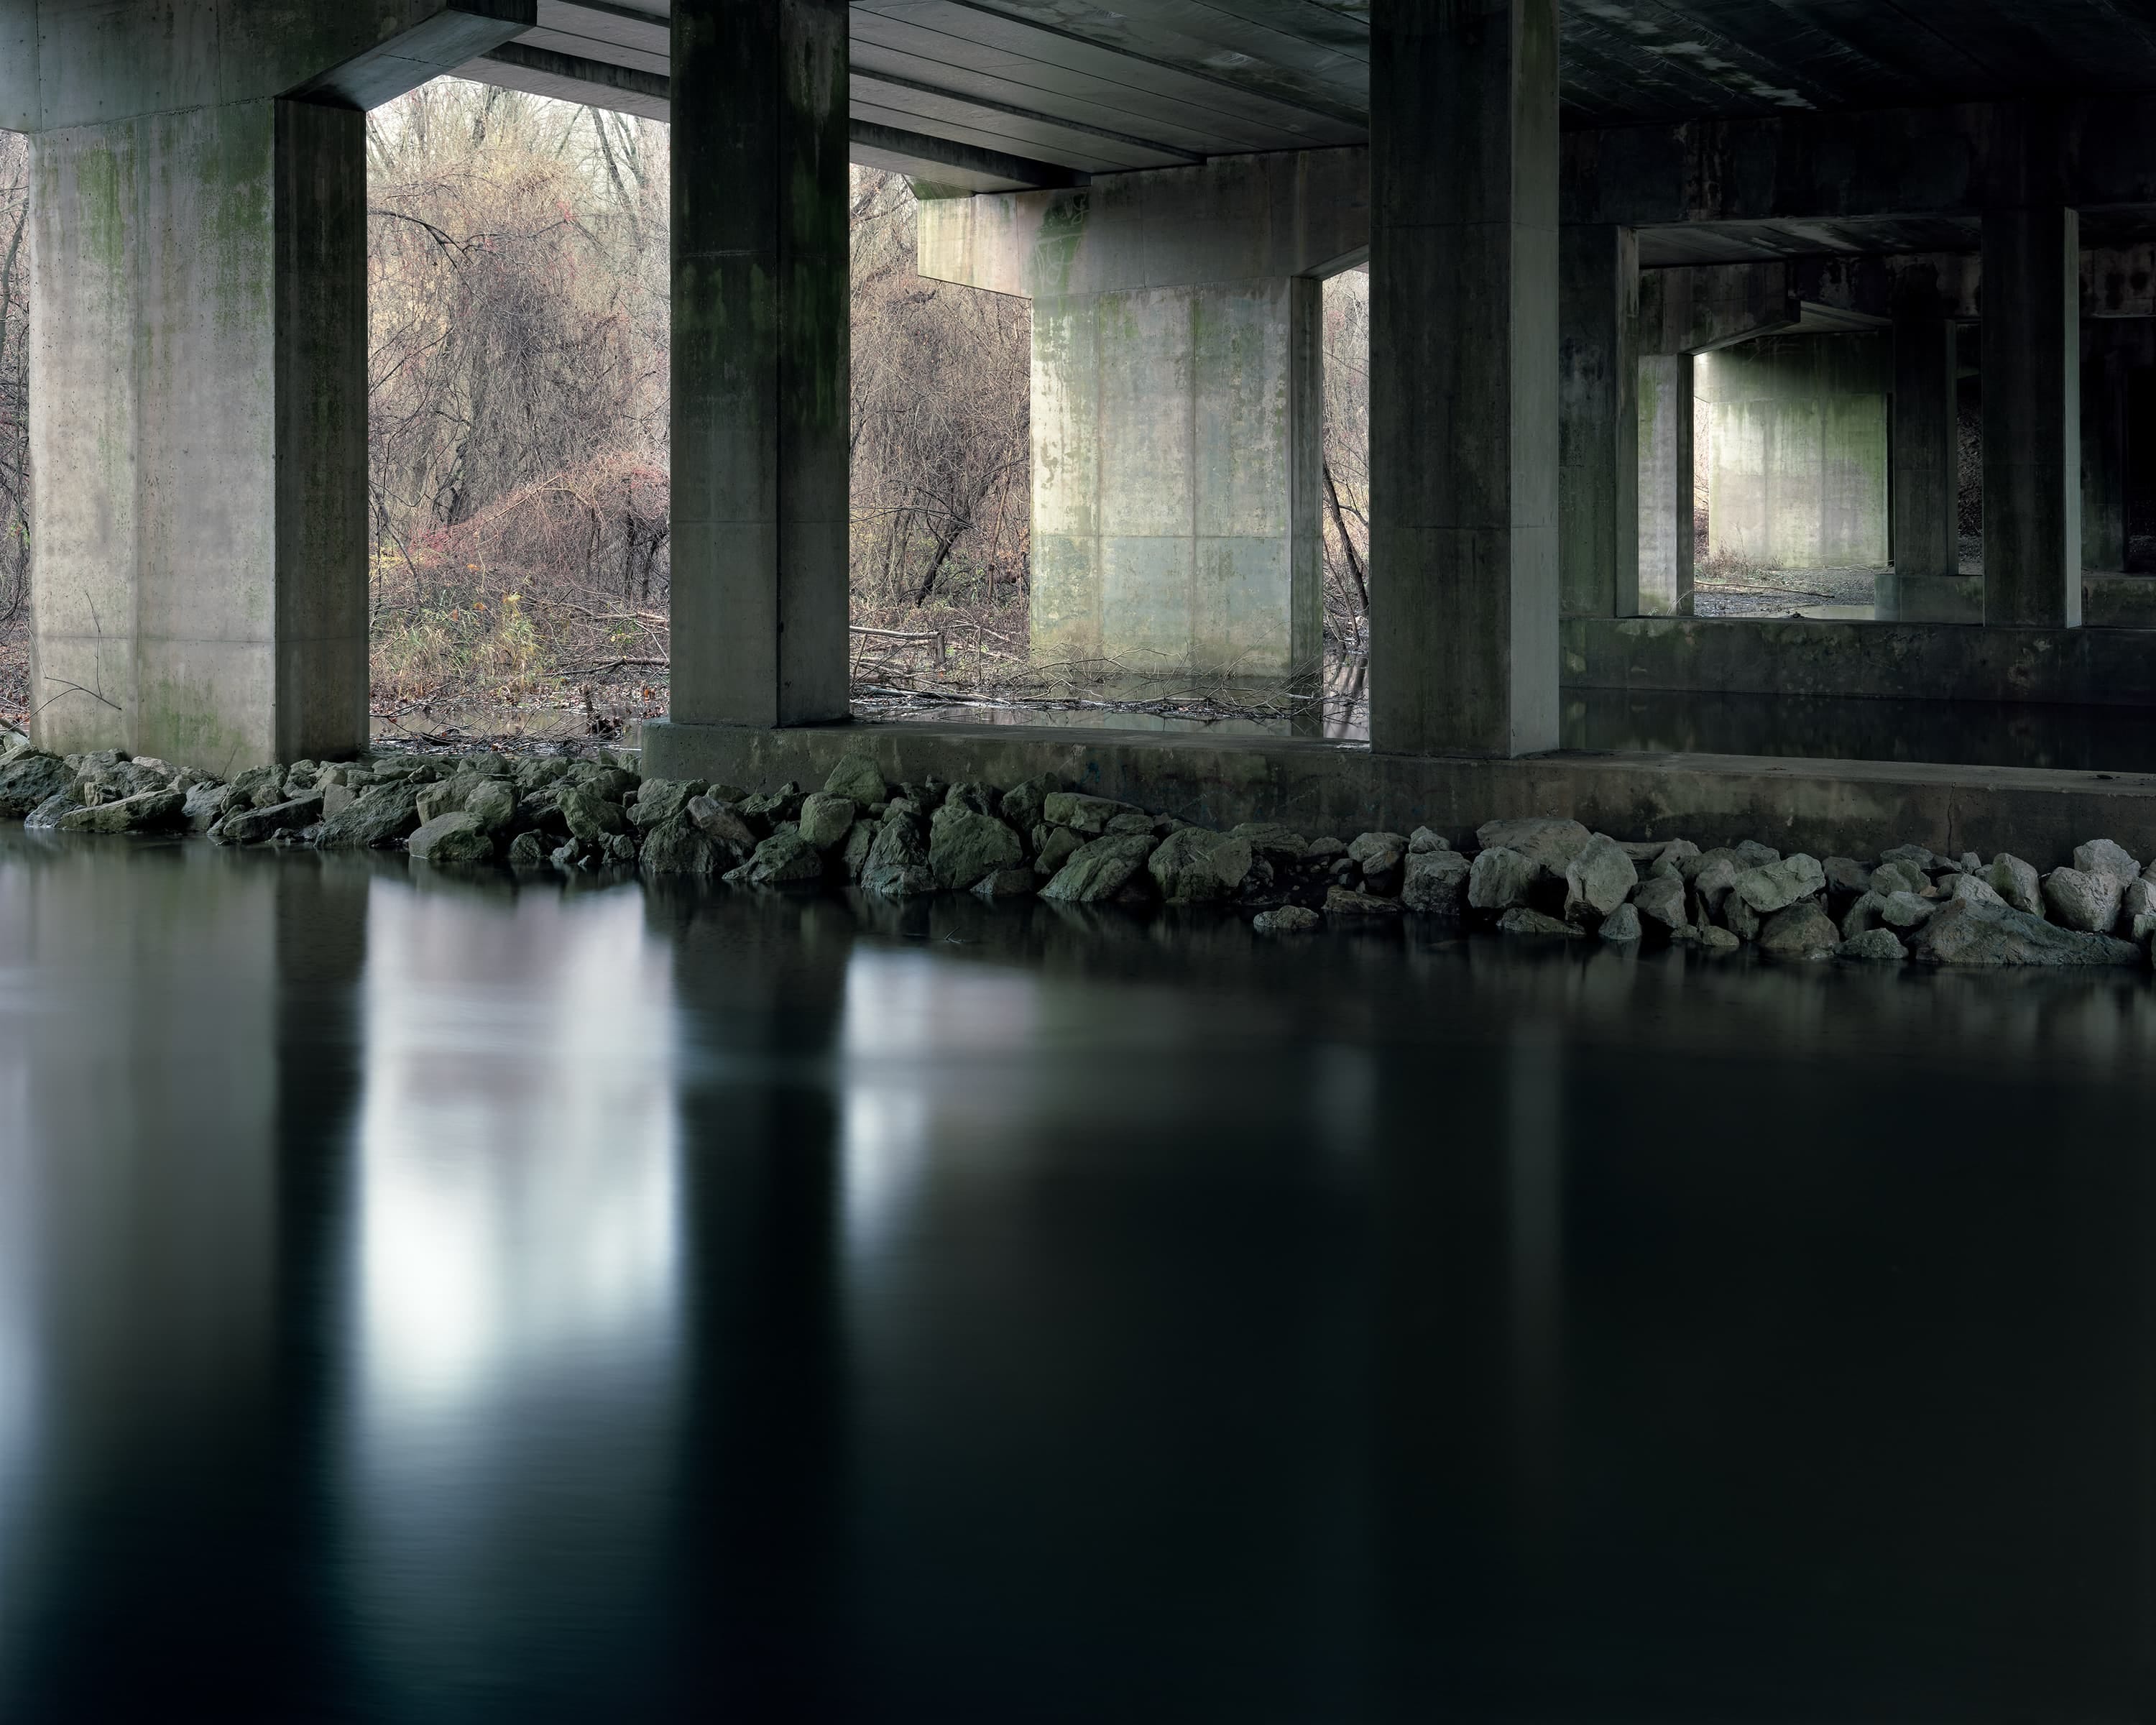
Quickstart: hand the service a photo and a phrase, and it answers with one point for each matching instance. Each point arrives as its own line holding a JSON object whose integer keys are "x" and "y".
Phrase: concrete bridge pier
{"x": 2032, "y": 417}
{"x": 198, "y": 429}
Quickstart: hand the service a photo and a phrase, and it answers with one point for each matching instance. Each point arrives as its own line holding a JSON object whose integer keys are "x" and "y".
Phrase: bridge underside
{"x": 1563, "y": 205}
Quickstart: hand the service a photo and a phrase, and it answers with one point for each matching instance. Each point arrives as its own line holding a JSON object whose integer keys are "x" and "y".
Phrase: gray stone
{"x": 1133, "y": 822}
{"x": 826, "y": 818}
{"x": 1905, "y": 910}
{"x": 1188, "y": 868}
{"x": 897, "y": 863}
{"x": 1422, "y": 841}
{"x": 1965, "y": 932}
{"x": 785, "y": 858}
{"x": 858, "y": 779}
{"x": 2139, "y": 901}
{"x": 253, "y": 826}
{"x": 675, "y": 845}
{"x": 659, "y": 799}
{"x": 2100, "y": 856}
{"x": 964, "y": 844}
{"x": 1100, "y": 869}
{"x": 769, "y": 810}
{"x": 492, "y": 803}
{"x": 49, "y": 813}
{"x": 1846, "y": 874}
{"x": 528, "y": 850}
{"x": 1007, "y": 883}
{"x": 1918, "y": 857}
{"x": 119, "y": 780}
{"x": 1548, "y": 844}
{"x": 1740, "y": 919}
{"x": 1520, "y": 919}
{"x": 541, "y": 769}
{"x": 2015, "y": 882}
{"x": 1862, "y": 916}
{"x": 1286, "y": 919}
{"x": 1715, "y": 883}
{"x": 1717, "y": 940}
{"x": 721, "y": 823}
{"x": 1674, "y": 857}
{"x": 1498, "y": 879}
{"x": 1085, "y": 815}
{"x": 1661, "y": 901}
{"x": 1325, "y": 850}
{"x": 1345, "y": 904}
{"x": 2087, "y": 902}
{"x": 382, "y": 816}
{"x": 451, "y": 839}
{"x": 1973, "y": 886}
{"x": 860, "y": 840}
{"x": 257, "y": 787}
{"x": 1776, "y": 886}
{"x": 144, "y": 811}
{"x": 1898, "y": 874}
{"x": 1434, "y": 883}
{"x": 207, "y": 802}
{"x": 589, "y": 815}
{"x": 336, "y": 798}
{"x": 1057, "y": 848}
{"x": 1621, "y": 926}
{"x": 1022, "y": 803}
{"x": 1874, "y": 946}
{"x": 30, "y": 779}
{"x": 1801, "y": 930}
{"x": 1753, "y": 855}
{"x": 1598, "y": 878}
{"x": 1696, "y": 865}
{"x": 445, "y": 798}
{"x": 1272, "y": 841}
{"x": 1385, "y": 850}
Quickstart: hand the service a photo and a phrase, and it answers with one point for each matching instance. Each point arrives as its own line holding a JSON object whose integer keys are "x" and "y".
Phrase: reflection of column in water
{"x": 1534, "y": 1076}
{"x": 139, "y": 1315}
{"x": 513, "y": 1299}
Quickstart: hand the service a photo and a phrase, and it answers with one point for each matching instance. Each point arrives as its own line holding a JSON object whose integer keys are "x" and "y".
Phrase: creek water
{"x": 437, "y": 1300}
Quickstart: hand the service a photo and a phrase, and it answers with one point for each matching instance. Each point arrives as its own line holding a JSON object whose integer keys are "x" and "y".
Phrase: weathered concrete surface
{"x": 199, "y": 433}
{"x": 1797, "y": 474}
{"x": 760, "y": 362}
{"x": 1914, "y": 661}
{"x": 1463, "y": 400}
{"x": 2113, "y": 350}
{"x": 2032, "y": 466}
{"x": 1599, "y": 492}
{"x": 1668, "y": 535}
{"x": 1855, "y": 809}
{"x": 1926, "y": 453}
{"x": 1177, "y": 404}
{"x": 1698, "y": 308}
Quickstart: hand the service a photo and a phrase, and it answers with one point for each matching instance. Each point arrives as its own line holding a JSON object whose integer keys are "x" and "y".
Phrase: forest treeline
{"x": 517, "y": 420}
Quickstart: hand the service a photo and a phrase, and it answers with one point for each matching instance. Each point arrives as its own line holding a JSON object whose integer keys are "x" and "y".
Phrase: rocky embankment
{"x": 1545, "y": 877}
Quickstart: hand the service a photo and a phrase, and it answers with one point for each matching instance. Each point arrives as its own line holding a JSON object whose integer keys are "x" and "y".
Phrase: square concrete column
{"x": 2106, "y": 363}
{"x": 198, "y": 435}
{"x": 1598, "y": 421}
{"x": 1667, "y": 482}
{"x": 1463, "y": 376}
{"x": 1925, "y": 449}
{"x": 760, "y": 354}
{"x": 2032, "y": 463}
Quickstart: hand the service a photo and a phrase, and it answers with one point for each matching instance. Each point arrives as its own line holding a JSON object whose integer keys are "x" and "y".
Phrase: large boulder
{"x": 964, "y": 844}
{"x": 30, "y": 779}
{"x": 1023, "y": 802}
{"x": 660, "y": 799}
{"x": 1598, "y": 878}
{"x": 1194, "y": 866}
{"x": 1966, "y": 932}
{"x": 1776, "y": 886}
{"x": 1101, "y": 869}
{"x": 722, "y": 824}
{"x": 1621, "y": 926}
{"x": 676, "y": 845}
{"x": 1285, "y": 919}
{"x": 1660, "y": 899}
{"x": 2016, "y": 882}
{"x": 207, "y": 802}
{"x": 2100, "y": 856}
{"x": 1904, "y": 911}
{"x": 1548, "y": 844}
{"x": 898, "y": 862}
{"x": 451, "y": 839}
{"x": 1973, "y": 886}
{"x": 254, "y": 826}
{"x": 589, "y": 816}
{"x": 1520, "y": 919}
{"x": 1801, "y": 930}
{"x": 2082, "y": 900}
{"x": 1344, "y": 904}
{"x": 1714, "y": 884}
{"x": 1054, "y": 847}
{"x": 144, "y": 811}
{"x": 785, "y": 858}
{"x": 492, "y": 803}
{"x": 1081, "y": 813}
{"x": 120, "y": 781}
{"x": 1436, "y": 883}
{"x": 49, "y": 814}
{"x": 1874, "y": 946}
{"x": 1498, "y": 879}
{"x": 826, "y": 818}
{"x": 858, "y": 779}
{"x": 383, "y": 816}
{"x": 1269, "y": 840}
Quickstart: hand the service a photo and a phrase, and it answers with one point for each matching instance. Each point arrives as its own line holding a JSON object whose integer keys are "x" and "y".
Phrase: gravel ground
{"x": 1783, "y": 593}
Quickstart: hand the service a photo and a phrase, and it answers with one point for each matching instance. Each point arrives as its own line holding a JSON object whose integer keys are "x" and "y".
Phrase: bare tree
{"x": 14, "y": 421}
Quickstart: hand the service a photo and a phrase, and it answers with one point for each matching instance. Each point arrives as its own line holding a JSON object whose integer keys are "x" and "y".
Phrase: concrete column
{"x": 1175, "y": 459}
{"x": 1926, "y": 453}
{"x": 1666, "y": 504}
{"x": 2106, "y": 366}
{"x": 760, "y": 346}
{"x": 198, "y": 435}
{"x": 1598, "y": 421}
{"x": 2032, "y": 466}
{"x": 1464, "y": 383}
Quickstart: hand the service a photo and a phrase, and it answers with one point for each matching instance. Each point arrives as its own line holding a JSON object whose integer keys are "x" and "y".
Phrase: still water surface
{"x": 429, "y": 1301}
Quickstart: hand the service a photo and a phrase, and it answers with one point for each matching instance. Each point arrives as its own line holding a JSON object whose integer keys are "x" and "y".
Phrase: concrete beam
{"x": 1827, "y": 807}
{"x": 760, "y": 362}
{"x": 1242, "y": 218}
{"x": 1598, "y": 422}
{"x": 2032, "y": 476}
{"x": 1697, "y": 308}
{"x": 1667, "y": 482}
{"x": 1464, "y": 396}
{"x": 1926, "y": 452}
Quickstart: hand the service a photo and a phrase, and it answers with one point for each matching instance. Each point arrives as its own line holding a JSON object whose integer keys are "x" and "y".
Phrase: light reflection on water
{"x": 429, "y": 1300}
